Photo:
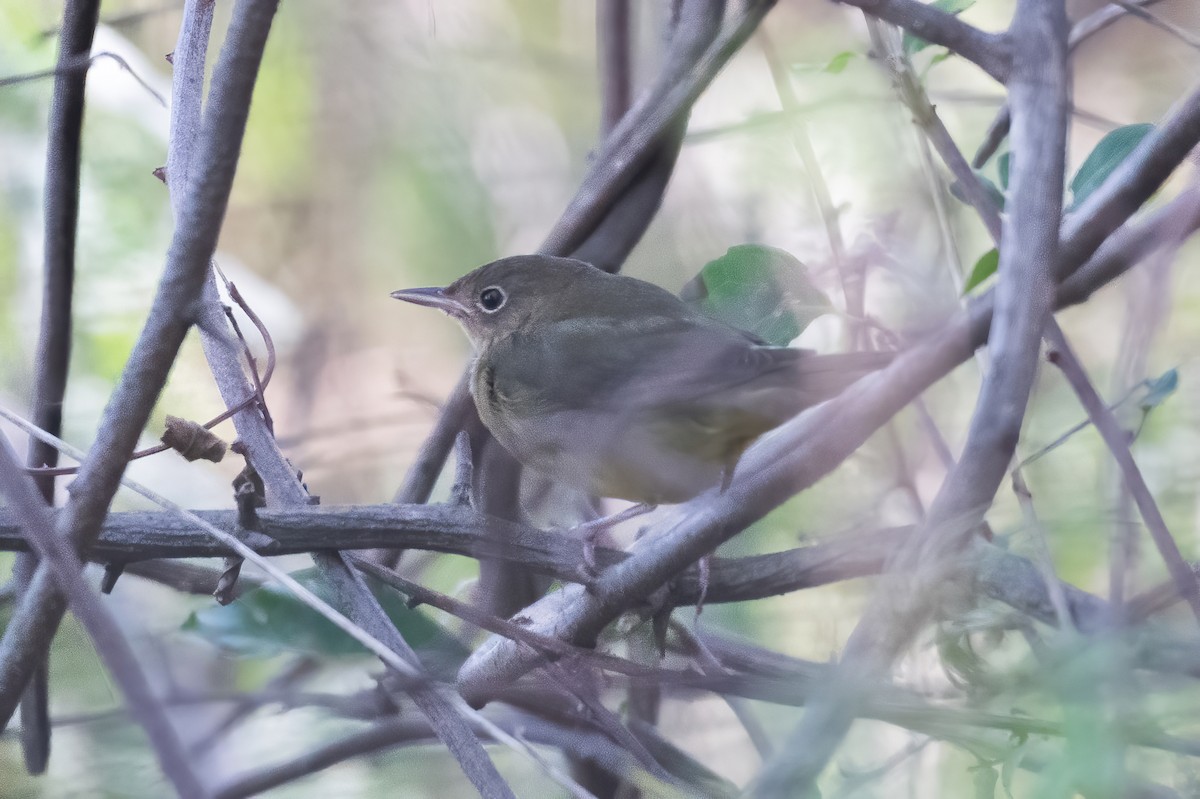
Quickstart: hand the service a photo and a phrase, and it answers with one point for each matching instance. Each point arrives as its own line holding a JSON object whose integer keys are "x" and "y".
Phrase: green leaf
{"x": 915, "y": 44}
{"x": 839, "y": 62}
{"x": 984, "y": 268}
{"x": 833, "y": 66}
{"x": 937, "y": 59}
{"x": 270, "y": 620}
{"x": 1159, "y": 389}
{"x": 1002, "y": 165}
{"x": 1109, "y": 154}
{"x": 762, "y": 290}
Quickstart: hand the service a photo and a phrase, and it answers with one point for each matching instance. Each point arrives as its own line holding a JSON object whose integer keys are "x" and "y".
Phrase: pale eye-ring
{"x": 492, "y": 299}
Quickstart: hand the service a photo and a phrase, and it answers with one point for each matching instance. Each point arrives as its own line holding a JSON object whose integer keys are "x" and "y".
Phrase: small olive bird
{"x": 616, "y": 386}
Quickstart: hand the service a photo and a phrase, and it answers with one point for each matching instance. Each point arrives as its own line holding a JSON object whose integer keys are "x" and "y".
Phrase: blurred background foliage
{"x": 403, "y": 142}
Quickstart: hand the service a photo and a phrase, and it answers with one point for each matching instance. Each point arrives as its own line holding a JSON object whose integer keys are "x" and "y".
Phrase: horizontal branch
{"x": 134, "y": 537}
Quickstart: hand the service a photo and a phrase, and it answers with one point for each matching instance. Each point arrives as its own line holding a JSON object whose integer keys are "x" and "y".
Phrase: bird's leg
{"x": 590, "y": 532}
{"x": 703, "y": 569}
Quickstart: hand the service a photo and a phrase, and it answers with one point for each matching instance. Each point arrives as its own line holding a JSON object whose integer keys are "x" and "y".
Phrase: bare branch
{"x": 1038, "y": 89}
{"x": 634, "y": 141}
{"x": 1081, "y": 31}
{"x": 200, "y": 217}
{"x": 61, "y": 203}
{"x": 802, "y": 452}
{"x": 614, "y": 29}
{"x": 59, "y": 559}
{"x": 992, "y": 52}
{"x": 1117, "y": 440}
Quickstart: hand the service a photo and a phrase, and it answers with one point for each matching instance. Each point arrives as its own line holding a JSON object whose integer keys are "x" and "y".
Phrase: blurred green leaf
{"x": 1159, "y": 389}
{"x": 762, "y": 290}
{"x": 1002, "y": 166}
{"x": 984, "y": 268}
{"x": 937, "y": 59}
{"x": 915, "y": 44}
{"x": 270, "y": 620}
{"x": 833, "y": 66}
{"x": 1109, "y": 154}
{"x": 839, "y": 62}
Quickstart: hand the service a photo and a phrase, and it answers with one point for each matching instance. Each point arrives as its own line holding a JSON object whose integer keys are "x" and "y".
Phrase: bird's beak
{"x": 432, "y": 297}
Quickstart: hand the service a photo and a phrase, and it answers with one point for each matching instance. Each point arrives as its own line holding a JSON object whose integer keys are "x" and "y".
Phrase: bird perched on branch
{"x": 616, "y": 386}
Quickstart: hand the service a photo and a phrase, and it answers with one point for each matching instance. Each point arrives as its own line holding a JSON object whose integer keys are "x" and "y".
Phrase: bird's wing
{"x": 643, "y": 363}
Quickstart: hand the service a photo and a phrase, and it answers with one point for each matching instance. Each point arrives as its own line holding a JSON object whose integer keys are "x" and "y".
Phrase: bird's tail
{"x": 825, "y": 376}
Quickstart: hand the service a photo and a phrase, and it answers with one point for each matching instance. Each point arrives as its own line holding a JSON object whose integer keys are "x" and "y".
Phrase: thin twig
{"x": 552, "y": 646}
{"x": 1117, "y": 440}
{"x": 1081, "y": 31}
{"x": 1054, "y": 587}
{"x": 906, "y": 597}
{"x": 1136, "y": 10}
{"x": 80, "y": 64}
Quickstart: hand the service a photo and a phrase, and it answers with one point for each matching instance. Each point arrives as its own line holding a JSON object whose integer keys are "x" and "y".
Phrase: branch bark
{"x": 616, "y": 198}
{"x": 1025, "y": 297}
{"x": 58, "y": 557}
{"x": 991, "y": 52}
{"x": 802, "y": 452}
{"x": 201, "y": 213}
{"x": 63, "y": 155}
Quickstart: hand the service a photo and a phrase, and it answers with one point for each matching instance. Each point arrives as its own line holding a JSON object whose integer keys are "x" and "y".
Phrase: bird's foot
{"x": 591, "y": 532}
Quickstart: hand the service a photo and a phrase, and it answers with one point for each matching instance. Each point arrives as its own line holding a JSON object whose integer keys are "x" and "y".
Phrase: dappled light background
{"x": 394, "y": 144}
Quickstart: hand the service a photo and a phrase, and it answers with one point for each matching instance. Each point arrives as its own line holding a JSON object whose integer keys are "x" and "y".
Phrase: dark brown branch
{"x": 403, "y": 731}
{"x": 419, "y": 595}
{"x": 614, "y": 56}
{"x": 130, "y": 536}
{"x": 61, "y": 204}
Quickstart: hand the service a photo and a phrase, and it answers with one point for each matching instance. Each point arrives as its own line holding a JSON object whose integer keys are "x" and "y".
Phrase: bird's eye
{"x": 491, "y": 299}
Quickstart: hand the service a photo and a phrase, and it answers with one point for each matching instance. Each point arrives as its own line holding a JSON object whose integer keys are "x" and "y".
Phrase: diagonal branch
{"x": 616, "y": 198}
{"x": 909, "y": 593}
{"x": 59, "y": 558}
{"x": 203, "y": 208}
{"x": 1117, "y": 440}
{"x": 803, "y": 451}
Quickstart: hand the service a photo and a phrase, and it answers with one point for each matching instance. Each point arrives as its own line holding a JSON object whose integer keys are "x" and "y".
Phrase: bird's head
{"x": 507, "y": 295}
